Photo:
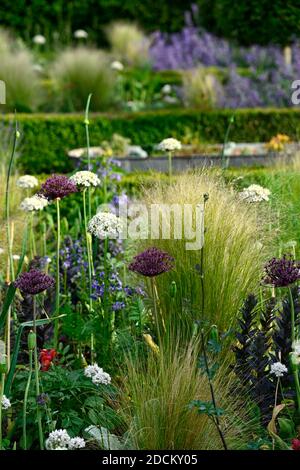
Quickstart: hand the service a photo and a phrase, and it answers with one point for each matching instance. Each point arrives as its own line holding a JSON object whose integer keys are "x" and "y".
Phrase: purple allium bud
{"x": 152, "y": 262}
{"x": 58, "y": 186}
{"x": 33, "y": 282}
{"x": 282, "y": 272}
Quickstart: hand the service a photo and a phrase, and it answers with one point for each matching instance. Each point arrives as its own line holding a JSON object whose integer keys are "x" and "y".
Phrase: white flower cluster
{"x": 116, "y": 65}
{"x": 278, "y": 369}
{"x": 255, "y": 193}
{"x": 105, "y": 225}
{"x": 60, "y": 440}
{"x": 27, "y": 182}
{"x": 34, "y": 203}
{"x": 85, "y": 179}
{"x": 5, "y": 403}
{"x": 97, "y": 375}
{"x": 39, "y": 39}
{"x": 80, "y": 34}
{"x": 169, "y": 145}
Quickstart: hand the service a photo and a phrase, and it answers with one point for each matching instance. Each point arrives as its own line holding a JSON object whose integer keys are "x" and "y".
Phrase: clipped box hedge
{"x": 47, "y": 138}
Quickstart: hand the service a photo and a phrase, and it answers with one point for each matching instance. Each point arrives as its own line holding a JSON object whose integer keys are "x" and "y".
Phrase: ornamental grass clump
{"x": 232, "y": 258}
{"x": 161, "y": 388}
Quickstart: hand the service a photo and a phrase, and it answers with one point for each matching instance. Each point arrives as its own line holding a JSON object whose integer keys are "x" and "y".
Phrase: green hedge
{"x": 47, "y": 138}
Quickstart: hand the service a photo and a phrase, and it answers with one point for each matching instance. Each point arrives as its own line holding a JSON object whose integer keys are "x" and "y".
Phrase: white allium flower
{"x": 97, "y": 375}
{"x": 85, "y": 178}
{"x": 39, "y": 39}
{"x": 255, "y": 193}
{"x": 80, "y": 34}
{"x": 76, "y": 443}
{"x": 105, "y": 225}
{"x": 169, "y": 145}
{"x": 166, "y": 89}
{"x": 58, "y": 440}
{"x": 27, "y": 182}
{"x": 278, "y": 369}
{"x": 34, "y": 203}
{"x": 116, "y": 65}
{"x": 5, "y": 403}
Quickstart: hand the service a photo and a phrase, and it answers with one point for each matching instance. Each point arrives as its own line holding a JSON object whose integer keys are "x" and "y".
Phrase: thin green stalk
{"x": 1, "y": 396}
{"x": 37, "y": 380}
{"x": 87, "y": 134}
{"x": 26, "y": 400}
{"x": 88, "y": 247}
{"x": 212, "y": 393}
{"x": 57, "y": 297}
{"x": 170, "y": 165}
{"x": 224, "y": 162}
{"x": 7, "y": 205}
{"x": 293, "y": 326}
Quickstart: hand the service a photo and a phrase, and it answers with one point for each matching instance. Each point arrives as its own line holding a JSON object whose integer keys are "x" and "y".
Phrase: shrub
{"x": 232, "y": 257}
{"x": 199, "y": 89}
{"x": 23, "y": 91}
{"x": 128, "y": 43}
{"x": 78, "y": 72}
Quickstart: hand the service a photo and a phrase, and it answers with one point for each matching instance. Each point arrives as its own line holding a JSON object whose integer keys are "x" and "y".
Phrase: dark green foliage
{"x": 30, "y": 17}
{"x": 47, "y": 138}
{"x": 252, "y": 21}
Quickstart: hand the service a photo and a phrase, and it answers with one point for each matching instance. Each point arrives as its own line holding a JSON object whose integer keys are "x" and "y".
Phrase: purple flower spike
{"x": 33, "y": 282}
{"x": 152, "y": 262}
{"x": 58, "y": 186}
{"x": 282, "y": 272}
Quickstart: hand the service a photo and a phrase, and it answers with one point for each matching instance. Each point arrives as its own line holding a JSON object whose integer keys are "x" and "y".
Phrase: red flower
{"x": 296, "y": 444}
{"x": 46, "y": 358}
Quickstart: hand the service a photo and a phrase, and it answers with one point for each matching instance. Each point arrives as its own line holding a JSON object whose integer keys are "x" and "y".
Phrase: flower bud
{"x": 173, "y": 289}
{"x": 31, "y": 340}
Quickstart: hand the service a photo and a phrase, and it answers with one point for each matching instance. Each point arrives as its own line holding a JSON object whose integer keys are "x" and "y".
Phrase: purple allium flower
{"x": 282, "y": 272}
{"x": 43, "y": 399}
{"x": 33, "y": 282}
{"x": 152, "y": 262}
{"x": 58, "y": 186}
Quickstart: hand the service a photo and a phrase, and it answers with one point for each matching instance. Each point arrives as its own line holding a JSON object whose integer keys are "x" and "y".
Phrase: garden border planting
{"x": 46, "y": 138}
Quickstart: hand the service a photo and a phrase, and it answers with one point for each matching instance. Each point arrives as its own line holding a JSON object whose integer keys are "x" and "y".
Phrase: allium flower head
{"x": 39, "y": 39}
{"x": 76, "y": 443}
{"x": 33, "y": 282}
{"x": 255, "y": 193}
{"x": 278, "y": 369}
{"x": 27, "y": 182}
{"x": 85, "y": 179}
{"x": 296, "y": 444}
{"x": 116, "y": 65}
{"x": 80, "y": 34}
{"x": 152, "y": 262}
{"x": 5, "y": 403}
{"x": 97, "y": 375}
{"x": 105, "y": 225}
{"x": 58, "y": 186}
{"x": 34, "y": 203}
{"x": 58, "y": 439}
{"x": 169, "y": 145}
{"x": 282, "y": 272}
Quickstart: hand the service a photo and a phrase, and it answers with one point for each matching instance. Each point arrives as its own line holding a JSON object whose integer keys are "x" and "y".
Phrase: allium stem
{"x": 212, "y": 393}
{"x": 170, "y": 164}
{"x": 87, "y": 134}
{"x": 1, "y": 396}
{"x": 57, "y": 297}
{"x": 26, "y": 399}
{"x": 37, "y": 380}
{"x": 88, "y": 247}
{"x": 293, "y": 328}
